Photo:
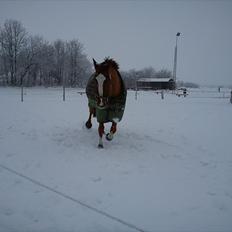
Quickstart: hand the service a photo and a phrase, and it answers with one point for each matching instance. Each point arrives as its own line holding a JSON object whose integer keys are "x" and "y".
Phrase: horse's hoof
{"x": 100, "y": 146}
{"x": 88, "y": 125}
{"x": 109, "y": 136}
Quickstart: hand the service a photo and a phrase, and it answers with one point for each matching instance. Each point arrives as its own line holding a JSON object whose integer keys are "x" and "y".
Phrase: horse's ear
{"x": 95, "y": 63}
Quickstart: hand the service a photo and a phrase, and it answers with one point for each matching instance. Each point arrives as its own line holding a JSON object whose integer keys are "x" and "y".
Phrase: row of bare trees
{"x": 31, "y": 60}
{"x": 34, "y": 61}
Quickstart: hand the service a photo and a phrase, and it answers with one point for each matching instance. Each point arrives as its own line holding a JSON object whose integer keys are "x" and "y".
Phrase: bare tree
{"x": 78, "y": 66}
{"x": 46, "y": 64}
{"x": 13, "y": 39}
{"x": 73, "y": 49}
{"x": 29, "y": 60}
{"x": 59, "y": 61}
{"x": 148, "y": 72}
{"x": 163, "y": 73}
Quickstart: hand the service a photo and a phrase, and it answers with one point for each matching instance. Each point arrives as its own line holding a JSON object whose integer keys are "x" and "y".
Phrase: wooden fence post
{"x": 21, "y": 79}
{"x": 136, "y": 90}
{"x": 64, "y": 79}
{"x": 162, "y": 94}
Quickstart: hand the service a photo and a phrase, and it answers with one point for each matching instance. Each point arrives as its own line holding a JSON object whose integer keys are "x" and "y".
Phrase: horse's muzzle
{"x": 102, "y": 102}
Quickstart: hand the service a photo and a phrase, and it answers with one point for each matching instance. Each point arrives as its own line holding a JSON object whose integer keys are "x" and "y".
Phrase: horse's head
{"x": 108, "y": 81}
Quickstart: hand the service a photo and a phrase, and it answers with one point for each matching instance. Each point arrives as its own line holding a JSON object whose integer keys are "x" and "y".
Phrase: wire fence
{"x": 210, "y": 93}
{"x": 191, "y": 93}
{"x": 74, "y": 92}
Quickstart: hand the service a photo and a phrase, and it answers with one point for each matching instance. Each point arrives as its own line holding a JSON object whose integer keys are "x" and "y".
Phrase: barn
{"x": 155, "y": 83}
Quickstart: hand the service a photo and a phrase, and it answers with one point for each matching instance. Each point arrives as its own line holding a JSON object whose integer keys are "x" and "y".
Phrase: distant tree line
{"x": 187, "y": 84}
{"x": 34, "y": 61}
{"x": 132, "y": 76}
{"x": 31, "y": 60}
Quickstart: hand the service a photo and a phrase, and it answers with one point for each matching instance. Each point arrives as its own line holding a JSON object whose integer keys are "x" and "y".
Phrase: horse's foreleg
{"x": 113, "y": 129}
{"x": 100, "y": 132}
{"x": 88, "y": 124}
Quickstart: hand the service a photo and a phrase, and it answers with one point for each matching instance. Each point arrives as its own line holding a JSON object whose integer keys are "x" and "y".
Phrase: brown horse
{"x": 106, "y": 93}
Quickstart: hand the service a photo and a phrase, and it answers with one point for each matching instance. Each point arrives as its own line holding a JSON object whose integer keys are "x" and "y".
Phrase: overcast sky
{"x": 139, "y": 33}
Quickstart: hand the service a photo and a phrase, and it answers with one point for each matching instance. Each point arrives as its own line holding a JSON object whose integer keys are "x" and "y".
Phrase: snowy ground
{"x": 169, "y": 168}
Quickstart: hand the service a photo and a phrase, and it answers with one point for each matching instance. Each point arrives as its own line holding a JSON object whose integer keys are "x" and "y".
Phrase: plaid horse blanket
{"x": 114, "y": 111}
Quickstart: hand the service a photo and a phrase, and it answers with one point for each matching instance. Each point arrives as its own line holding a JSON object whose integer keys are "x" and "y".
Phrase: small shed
{"x": 155, "y": 83}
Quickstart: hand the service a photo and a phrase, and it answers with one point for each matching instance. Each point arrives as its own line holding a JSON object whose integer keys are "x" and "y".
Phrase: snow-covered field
{"x": 169, "y": 167}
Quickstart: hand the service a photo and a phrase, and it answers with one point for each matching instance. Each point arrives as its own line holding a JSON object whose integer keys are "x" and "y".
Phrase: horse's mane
{"x": 111, "y": 62}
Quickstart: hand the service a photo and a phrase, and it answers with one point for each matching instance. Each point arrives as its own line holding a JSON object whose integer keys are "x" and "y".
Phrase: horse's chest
{"x": 104, "y": 87}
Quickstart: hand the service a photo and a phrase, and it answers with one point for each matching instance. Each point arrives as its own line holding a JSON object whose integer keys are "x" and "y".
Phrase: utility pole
{"x": 175, "y": 59}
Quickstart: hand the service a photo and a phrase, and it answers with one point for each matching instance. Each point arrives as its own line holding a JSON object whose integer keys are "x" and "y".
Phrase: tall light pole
{"x": 175, "y": 58}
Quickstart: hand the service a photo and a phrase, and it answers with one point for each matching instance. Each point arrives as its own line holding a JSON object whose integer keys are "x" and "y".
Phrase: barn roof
{"x": 154, "y": 79}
